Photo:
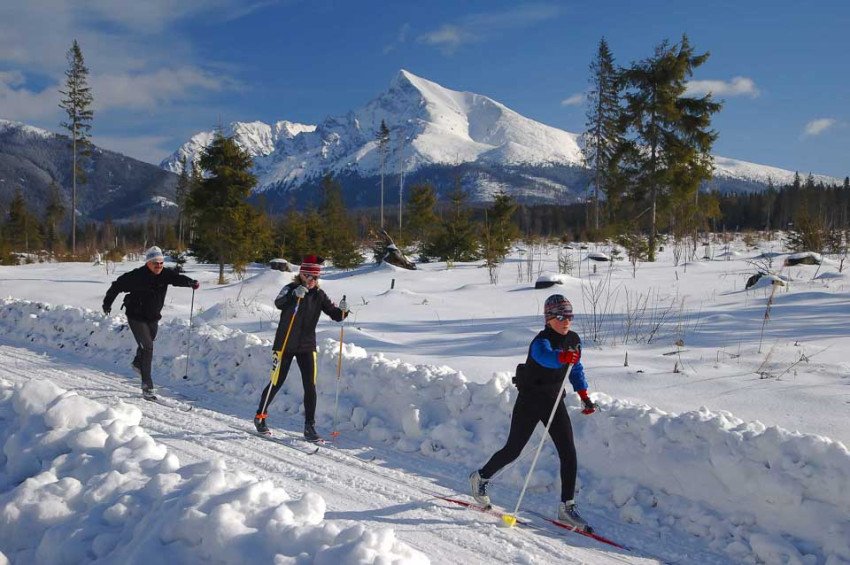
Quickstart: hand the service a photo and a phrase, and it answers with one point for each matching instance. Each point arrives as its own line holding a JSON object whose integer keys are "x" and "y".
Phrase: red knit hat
{"x": 311, "y": 265}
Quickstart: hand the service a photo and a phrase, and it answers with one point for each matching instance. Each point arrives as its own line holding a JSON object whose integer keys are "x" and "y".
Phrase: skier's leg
{"x": 561, "y": 433}
{"x": 285, "y": 363}
{"x": 142, "y": 333}
{"x": 523, "y": 422}
{"x": 307, "y": 365}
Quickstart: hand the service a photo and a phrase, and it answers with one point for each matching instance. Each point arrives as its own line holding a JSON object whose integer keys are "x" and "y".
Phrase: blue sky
{"x": 163, "y": 70}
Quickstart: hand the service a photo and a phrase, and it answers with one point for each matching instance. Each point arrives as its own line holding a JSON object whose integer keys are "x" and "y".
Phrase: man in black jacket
{"x": 145, "y": 288}
{"x": 304, "y": 294}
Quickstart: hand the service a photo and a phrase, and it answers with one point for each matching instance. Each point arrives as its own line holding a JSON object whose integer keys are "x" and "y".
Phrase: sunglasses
{"x": 311, "y": 277}
{"x": 562, "y": 317}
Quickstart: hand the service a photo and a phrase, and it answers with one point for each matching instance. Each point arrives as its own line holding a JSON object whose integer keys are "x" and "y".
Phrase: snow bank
{"x": 753, "y": 492}
{"x": 80, "y": 481}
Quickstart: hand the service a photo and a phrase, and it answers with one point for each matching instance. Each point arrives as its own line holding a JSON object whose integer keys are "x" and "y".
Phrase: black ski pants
{"x": 145, "y": 333}
{"x": 307, "y": 366}
{"x": 531, "y": 408}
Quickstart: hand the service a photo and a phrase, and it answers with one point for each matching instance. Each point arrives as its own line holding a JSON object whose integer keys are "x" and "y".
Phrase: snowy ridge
{"x": 25, "y": 129}
{"x": 709, "y": 474}
{"x": 256, "y": 138}
{"x": 430, "y": 125}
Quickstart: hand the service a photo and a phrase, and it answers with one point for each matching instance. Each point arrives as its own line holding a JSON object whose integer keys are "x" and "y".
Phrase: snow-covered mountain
{"x": 32, "y": 160}
{"x": 434, "y": 130}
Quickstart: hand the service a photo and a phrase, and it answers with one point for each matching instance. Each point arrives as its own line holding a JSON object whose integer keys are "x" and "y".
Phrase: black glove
{"x": 107, "y": 309}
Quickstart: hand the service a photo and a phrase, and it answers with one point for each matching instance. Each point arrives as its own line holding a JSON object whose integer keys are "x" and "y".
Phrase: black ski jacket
{"x": 542, "y": 372}
{"x": 145, "y": 292}
{"x": 302, "y": 338}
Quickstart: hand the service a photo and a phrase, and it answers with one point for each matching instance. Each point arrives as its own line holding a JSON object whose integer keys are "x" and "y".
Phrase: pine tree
{"x": 184, "y": 184}
{"x": 340, "y": 233}
{"x": 52, "y": 219}
{"x": 22, "y": 227}
{"x": 421, "y": 215}
{"x": 228, "y": 230}
{"x": 76, "y": 101}
{"x": 672, "y": 131}
{"x": 457, "y": 238}
{"x": 383, "y": 137}
{"x": 291, "y": 237}
{"x": 499, "y": 232}
{"x": 602, "y": 135}
{"x": 846, "y": 185}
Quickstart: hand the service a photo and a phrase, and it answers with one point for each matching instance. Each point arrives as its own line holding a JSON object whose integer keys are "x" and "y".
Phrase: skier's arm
{"x": 285, "y": 298}
{"x": 118, "y": 286}
{"x": 331, "y": 309}
{"x": 176, "y": 279}
{"x": 542, "y": 352}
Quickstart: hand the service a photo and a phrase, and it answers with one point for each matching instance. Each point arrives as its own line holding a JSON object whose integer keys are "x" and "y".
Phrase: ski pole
{"x": 510, "y": 519}
{"x": 189, "y": 337}
{"x": 335, "y": 433}
{"x": 276, "y": 359}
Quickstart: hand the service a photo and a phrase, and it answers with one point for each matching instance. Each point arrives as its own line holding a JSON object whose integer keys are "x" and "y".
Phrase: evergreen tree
{"x": 52, "y": 218}
{"x": 184, "y": 184}
{"x": 499, "y": 232}
{"x": 846, "y": 183}
{"x": 457, "y": 238}
{"x": 421, "y": 215}
{"x": 671, "y": 140}
{"x": 22, "y": 227}
{"x": 291, "y": 237}
{"x": 227, "y": 229}
{"x": 76, "y": 101}
{"x": 340, "y": 241}
{"x": 383, "y": 137}
{"x": 602, "y": 135}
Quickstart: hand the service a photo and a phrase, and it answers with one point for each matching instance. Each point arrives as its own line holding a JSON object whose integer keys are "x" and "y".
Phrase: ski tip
{"x": 509, "y": 520}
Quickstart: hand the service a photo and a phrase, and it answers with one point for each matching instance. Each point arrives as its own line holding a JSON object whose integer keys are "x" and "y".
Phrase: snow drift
{"x": 753, "y": 492}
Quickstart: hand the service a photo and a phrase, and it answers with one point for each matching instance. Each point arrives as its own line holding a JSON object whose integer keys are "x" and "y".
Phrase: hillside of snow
{"x": 738, "y": 455}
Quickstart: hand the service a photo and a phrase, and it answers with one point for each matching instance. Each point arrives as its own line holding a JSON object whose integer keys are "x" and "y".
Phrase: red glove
{"x": 196, "y": 285}
{"x": 568, "y": 357}
{"x": 589, "y": 406}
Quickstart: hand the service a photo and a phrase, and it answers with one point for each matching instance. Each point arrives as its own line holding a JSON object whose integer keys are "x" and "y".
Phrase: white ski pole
{"x": 189, "y": 337}
{"x": 510, "y": 519}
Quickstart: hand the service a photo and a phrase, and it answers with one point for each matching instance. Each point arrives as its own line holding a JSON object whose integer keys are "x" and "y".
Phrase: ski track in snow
{"x": 381, "y": 494}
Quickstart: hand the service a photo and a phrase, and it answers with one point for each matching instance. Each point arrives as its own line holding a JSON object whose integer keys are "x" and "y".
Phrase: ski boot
{"x": 479, "y": 488}
{"x": 310, "y": 432}
{"x": 260, "y": 424}
{"x": 568, "y": 515}
{"x": 148, "y": 393}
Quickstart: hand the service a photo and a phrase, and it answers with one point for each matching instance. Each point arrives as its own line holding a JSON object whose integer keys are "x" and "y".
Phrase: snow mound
{"x": 80, "y": 481}
{"x": 754, "y": 493}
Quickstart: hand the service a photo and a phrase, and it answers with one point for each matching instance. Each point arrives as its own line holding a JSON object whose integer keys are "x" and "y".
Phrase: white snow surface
{"x": 739, "y": 457}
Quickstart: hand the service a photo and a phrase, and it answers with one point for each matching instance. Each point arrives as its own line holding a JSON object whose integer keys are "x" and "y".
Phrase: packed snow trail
{"x": 375, "y": 495}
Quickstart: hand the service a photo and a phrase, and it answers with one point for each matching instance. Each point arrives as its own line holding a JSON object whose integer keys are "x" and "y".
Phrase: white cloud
{"x": 817, "y": 127}
{"x": 150, "y": 90}
{"x": 481, "y": 27}
{"x": 147, "y": 148}
{"x": 574, "y": 100}
{"x": 19, "y": 104}
{"x": 401, "y": 38}
{"x": 738, "y": 86}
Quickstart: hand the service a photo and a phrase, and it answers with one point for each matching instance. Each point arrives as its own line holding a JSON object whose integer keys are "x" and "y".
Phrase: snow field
{"x": 81, "y": 481}
{"x": 753, "y": 492}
